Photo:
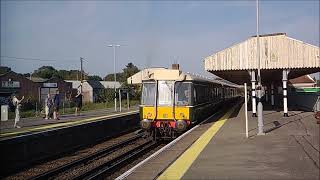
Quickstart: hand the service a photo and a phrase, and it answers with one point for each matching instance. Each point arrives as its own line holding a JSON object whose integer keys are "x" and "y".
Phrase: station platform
{"x": 288, "y": 150}
{"x": 37, "y": 124}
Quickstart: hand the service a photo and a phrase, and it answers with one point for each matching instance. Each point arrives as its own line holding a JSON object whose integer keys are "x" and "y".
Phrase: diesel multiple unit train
{"x": 172, "y": 101}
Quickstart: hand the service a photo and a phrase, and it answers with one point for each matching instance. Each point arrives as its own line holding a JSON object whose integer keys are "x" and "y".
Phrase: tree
{"x": 45, "y": 72}
{"x": 130, "y": 70}
{"x": 48, "y": 72}
{"x": 4, "y": 69}
{"x": 135, "y": 90}
{"x": 110, "y": 77}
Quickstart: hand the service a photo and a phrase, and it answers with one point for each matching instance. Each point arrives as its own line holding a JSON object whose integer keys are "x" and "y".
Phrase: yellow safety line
{"x": 183, "y": 163}
{"x": 63, "y": 124}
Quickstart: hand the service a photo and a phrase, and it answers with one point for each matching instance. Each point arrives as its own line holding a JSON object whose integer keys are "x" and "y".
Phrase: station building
{"x": 34, "y": 89}
{"x": 50, "y": 86}
{"x": 14, "y": 83}
{"x": 281, "y": 58}
{"x": 91, "y": 88}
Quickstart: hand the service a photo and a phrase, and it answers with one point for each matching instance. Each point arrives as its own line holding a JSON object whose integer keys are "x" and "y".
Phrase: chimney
{"x": 175, "y": 66}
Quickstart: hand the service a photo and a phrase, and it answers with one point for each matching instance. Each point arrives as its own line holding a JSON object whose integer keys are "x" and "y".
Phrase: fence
{"x": 304, "y": 101}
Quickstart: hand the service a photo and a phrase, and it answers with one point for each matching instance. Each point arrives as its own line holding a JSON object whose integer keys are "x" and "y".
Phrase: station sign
{"x": 50, "y": 85}
{"x": 10, "y": 84}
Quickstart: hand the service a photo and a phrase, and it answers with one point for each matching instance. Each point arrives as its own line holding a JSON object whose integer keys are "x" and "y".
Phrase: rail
{"x": 103, "y": 152}
{"x": 111, "y": 165}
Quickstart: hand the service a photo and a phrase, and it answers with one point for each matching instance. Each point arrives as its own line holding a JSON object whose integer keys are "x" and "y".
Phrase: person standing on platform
{"x": 17, "y": 103}
{"x": 78, "y": 101}
{"x": 48, "y": 107}
{"x": 56, "y": 105}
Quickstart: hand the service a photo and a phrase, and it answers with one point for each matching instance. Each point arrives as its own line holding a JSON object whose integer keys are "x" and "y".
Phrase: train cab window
{"x": 182, "y": 94}
{"x": 165, "y": 93}
{"x": 148, "y": 93}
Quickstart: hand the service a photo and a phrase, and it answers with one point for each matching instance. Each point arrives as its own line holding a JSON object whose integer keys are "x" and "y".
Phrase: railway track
{"x": 87, "y": 159}
{"x": 109, "y": 167}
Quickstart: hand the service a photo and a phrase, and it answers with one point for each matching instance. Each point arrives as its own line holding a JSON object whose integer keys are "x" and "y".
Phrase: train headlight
{"x": 181, "y": 125}
{"x": 145, "y": 124}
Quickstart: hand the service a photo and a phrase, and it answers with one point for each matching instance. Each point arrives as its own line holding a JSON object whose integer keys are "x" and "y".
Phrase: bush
{"x": 30, "y": 103}
{"x": 106, "y": 95}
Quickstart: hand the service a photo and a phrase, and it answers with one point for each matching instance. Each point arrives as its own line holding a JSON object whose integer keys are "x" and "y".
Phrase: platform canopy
{"x": 277, "y": 52}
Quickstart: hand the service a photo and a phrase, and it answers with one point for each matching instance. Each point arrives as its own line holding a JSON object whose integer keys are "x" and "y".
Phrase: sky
{"x": 150, "y": 33}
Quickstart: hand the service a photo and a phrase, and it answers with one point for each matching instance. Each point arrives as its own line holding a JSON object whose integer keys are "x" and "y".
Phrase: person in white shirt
{"x": 17, "y": 103}
{"x": 48, "y": 105}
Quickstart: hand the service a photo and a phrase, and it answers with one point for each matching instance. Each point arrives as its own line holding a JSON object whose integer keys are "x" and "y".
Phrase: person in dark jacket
{"x": 56, "y": 105}
{"x": 78, "y": 101}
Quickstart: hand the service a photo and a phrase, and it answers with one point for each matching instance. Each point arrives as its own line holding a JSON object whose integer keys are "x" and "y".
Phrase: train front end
{"x": 165, "y": 108}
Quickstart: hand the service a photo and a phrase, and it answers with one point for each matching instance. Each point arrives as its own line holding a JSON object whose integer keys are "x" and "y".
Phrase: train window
{"x": 148, "y": 93}
{"x": 182, "y": 94}
{"x": 194, "y": 96}
{"x": 165, "y": 93}
{"x": 201, "y": 96}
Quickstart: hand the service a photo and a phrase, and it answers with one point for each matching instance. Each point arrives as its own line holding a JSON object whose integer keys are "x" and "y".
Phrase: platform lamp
{"x": 115, "y": 76}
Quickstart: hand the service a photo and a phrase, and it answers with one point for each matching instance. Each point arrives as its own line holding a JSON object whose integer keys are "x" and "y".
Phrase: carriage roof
{"x": 152, "y": 74}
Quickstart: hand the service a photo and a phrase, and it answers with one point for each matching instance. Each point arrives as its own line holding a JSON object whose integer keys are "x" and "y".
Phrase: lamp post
{"x": 115, "y": 76}
{"x": 81, "y": 69}
{"x": 260, "y": 106}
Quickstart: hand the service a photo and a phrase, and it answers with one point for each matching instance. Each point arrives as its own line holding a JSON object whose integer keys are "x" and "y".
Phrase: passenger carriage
{"x": 172, "y": 101}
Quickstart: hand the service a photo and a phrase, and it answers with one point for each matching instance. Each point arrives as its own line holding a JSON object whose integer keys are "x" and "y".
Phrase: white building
{"x": 91, "y": 88}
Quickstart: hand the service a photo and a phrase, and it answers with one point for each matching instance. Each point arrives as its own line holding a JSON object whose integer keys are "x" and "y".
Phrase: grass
{"x": 69, "y": 109}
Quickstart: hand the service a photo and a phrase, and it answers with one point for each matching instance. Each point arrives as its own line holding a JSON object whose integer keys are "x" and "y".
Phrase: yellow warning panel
{"x": 183, "y": 163}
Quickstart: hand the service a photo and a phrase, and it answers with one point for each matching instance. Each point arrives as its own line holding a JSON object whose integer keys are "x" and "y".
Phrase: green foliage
{"x": 4, "y": 69}
{"x": 106, "y": 95}
{"x": 48, "y": 72}
{"x": 128, "y": 71}
{"x": 110, "y": 77}
{"x": 45, "y": 72}
{"x": 135, "y": 92}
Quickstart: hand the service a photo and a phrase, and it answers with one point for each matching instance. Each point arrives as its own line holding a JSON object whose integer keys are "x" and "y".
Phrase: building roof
{"x": 172, "y": 75}
{"x": 302, "y": 79}
{"x": 110, "y": 84}
{"x": 75, "y": 84}
{"x": 12, "y": 73}
{"x": 95, "y": 84}
{"x": 277, "y": 51}
{"x": 37, "y": 79}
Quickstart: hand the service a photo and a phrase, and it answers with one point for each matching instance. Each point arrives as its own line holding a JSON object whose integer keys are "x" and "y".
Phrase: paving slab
{"x": 289, "y": 150}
